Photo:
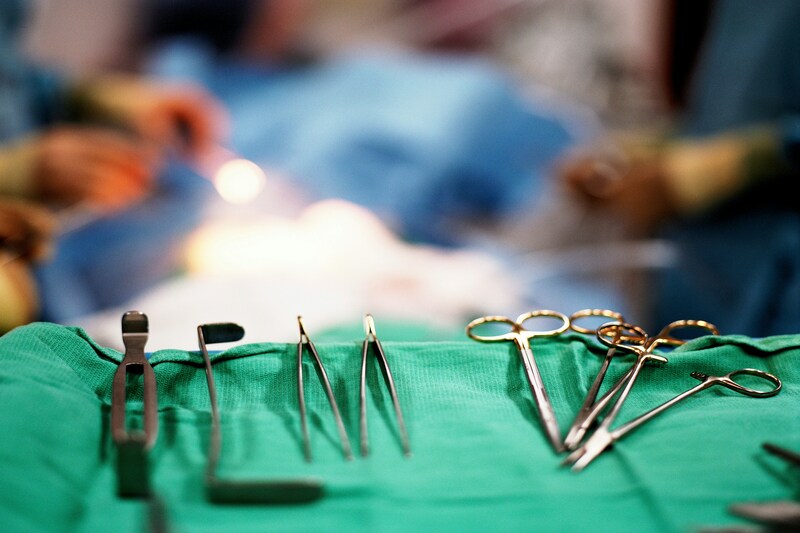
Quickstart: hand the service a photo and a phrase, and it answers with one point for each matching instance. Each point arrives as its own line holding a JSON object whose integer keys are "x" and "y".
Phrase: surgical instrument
{"x": 230, "y": 491}
{"x": 633, "y": 335}
{"x": 521, "y": 338}
{"x": 604, "y": 437}
{"x": 787, "y": 455}
{"x": 323, "y": 377}
{"x": 573, "y": 437}
{"x": 642, "y": 346}
{"x": 779, "y": 515}
{"x": 132, "y": 446}
{"x": 371, "y": 339}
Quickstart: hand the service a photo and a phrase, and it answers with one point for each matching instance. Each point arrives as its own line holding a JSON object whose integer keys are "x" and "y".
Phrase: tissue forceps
{"x": 642, "y": 346}
{"x": 323, "y": 377}
{"x": 230, "y": 491}
{"x": 371, "y": 339}
{"x": 132, "y": 447}
{"x": 521, "y": 338}
{"x": 604, "y": 437}
{"x": 574, "y": 435}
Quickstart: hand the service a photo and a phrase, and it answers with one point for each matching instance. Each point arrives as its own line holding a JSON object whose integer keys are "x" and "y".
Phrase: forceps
{"x": 521, "y": 338}
{"x": 235, "y": 491}
{"x": 604, "y": 438}
{"x": 632, "y": 335}
{"x": 323, "y": 377}
{"x": 574, "y": 434}
{"x": 642, "y": 346}
{"x": 371, "y": 339}
{"x": 132, "y": 447}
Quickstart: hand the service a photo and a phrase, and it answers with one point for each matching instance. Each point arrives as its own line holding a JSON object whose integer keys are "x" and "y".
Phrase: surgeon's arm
{"x": 167, "y": 115}
{"x": 67, "y": 165}
{"x": 652, "y": 178}
{"x": 700, "y": 173}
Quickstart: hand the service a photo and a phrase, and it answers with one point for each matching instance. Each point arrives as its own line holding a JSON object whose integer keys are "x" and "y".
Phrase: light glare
{"x": 239, "y": 181}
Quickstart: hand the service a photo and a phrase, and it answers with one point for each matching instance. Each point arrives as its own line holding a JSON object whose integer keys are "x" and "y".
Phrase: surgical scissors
{"x": 634, "y": 339}
{"x": 521, "y": 338}
{"x": 629, "y": 335}
{"x": 604, "y": 438}
{"x": 574, "y": 435}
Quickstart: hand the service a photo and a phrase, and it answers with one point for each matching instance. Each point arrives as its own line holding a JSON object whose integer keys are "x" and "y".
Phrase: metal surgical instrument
{"x": 521, "y": 338}
{"x": 787, "y": 455}
{"x": 604, "y": 438}
{"x": 323, "y": 377}
{"x": 371, "y": 339}
{"x": 632, "y": 335}
{"x": 573, "y": 437}
{"x": 229, "y": 491}
{"x": 778, "y": 515}
{"x": 132, "y": 446}
{"x": 633, "y": 339}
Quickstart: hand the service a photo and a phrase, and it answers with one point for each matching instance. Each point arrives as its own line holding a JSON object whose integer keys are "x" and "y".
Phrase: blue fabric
{"x": 740, "y": 265}
{"x": 740, "y": 272}
{"x": 425, "y": 142}
{"x": 113, "y": 259}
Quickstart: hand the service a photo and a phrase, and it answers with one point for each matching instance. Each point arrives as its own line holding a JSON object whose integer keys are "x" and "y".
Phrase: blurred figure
{"x": 98, "y": 144}
{"x": 455, "y": 25}
{"x": 724, "y": 189}
{"x": 254, "y": 31}
{"x": 430, "y": 143}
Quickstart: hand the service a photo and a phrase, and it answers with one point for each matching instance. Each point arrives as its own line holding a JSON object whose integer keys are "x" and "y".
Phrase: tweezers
{"x": 132, "y": 446}
{"x": 229, "y": 491}
{"x": 372, "y": 340}
{"x": 323, "y": 378}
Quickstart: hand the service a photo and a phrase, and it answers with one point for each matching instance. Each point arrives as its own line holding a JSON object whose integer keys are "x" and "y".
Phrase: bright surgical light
{"x": 239, "y": 181}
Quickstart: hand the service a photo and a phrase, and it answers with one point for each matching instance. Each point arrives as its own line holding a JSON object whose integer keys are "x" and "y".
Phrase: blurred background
{"x": 426, "y": 161}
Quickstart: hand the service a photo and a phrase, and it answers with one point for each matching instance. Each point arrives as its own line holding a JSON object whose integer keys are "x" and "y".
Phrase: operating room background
{"x": 583, "y": 65}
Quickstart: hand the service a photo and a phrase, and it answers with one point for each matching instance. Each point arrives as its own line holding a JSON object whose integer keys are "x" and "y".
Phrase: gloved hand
{"x": 180, "y": 116}
{"x": 67, "y": 165}
{"x": 647, "y": 180}
{"x": 635, "y": 190}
